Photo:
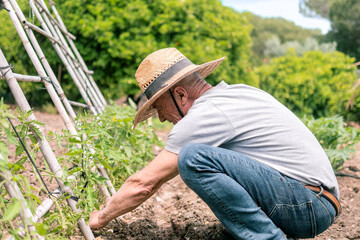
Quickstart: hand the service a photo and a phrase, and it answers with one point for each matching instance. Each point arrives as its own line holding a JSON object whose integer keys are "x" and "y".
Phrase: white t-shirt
{"x": 252, "y": 122}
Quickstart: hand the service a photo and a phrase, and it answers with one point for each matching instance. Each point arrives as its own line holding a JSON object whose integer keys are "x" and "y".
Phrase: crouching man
{"x": 255, "y": 164}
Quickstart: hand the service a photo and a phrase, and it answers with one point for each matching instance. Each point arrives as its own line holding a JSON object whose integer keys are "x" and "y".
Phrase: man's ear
{"x": 181, "y": 94}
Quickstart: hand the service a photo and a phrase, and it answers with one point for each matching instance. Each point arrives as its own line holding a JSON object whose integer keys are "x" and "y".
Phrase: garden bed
{"x": 175, "y": 212}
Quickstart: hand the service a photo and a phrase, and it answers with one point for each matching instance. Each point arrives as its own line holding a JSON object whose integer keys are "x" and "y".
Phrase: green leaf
{"x": 36, "y": 198}
{"x": 12, "y": 210}
{"x": 21, "y": 161}
{"x": 10, "y": 138}
{"x": 41, "y": 228}
{"x": 74, "y": 139}
{"x": 19, "y": 150}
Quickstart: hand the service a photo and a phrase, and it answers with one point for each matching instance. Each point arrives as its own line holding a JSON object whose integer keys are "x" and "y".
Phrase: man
{"x": 260, "y": 170}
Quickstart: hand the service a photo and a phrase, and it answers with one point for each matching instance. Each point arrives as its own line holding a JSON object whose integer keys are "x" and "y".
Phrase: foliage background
{"x": 114, "y": 36}
{"x": 312, "y": 77}
{"x": 314, "y": 84}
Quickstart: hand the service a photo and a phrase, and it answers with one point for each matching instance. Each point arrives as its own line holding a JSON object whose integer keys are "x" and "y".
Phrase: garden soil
{"x": 176, "y": 212}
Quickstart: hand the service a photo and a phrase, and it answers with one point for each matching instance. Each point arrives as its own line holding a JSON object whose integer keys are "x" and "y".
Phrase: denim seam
{"x": 287, "y": 205}
{"x": 312, "y": 218}
{"x": 327, "y": 211}
{"x": 320, "y": 198}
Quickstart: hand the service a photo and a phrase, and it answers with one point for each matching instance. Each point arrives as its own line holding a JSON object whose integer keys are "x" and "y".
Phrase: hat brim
{"x": 147, "y": 110}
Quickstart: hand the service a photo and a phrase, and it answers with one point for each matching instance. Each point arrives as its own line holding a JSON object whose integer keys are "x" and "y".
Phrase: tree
{"x": 345, "y": 29}
{"x": 274, "y": 48}
{"x": 315, "y": 8}
{"x": 269, "y": 28}
{"x": 114, "y": 36}
{"x": 344, "y": 17}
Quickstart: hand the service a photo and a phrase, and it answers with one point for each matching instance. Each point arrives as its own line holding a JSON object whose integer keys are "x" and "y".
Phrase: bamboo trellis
{"x": 43, "y": 144}
{"x": 50, "y": 82}
{"x": 56, "y": 32}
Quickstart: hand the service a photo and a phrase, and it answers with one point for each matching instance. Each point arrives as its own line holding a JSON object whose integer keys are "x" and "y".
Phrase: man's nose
{"x": 161, "y": 117}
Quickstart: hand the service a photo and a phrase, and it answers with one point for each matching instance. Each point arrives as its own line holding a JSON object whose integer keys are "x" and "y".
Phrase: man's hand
{"x": 94, "y": 222}
{"x": 136, "y": 189}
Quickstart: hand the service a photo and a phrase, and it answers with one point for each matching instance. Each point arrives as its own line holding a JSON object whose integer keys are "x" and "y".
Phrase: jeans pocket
{"x": 295, "y": 220}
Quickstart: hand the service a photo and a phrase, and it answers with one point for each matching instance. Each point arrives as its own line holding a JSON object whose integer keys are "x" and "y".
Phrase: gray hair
{"x": 192, "y": 84}
{"x": 191, "y": 81}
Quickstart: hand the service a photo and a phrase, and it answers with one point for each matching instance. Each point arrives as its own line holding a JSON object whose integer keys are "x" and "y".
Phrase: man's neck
{"x": 206, "y": 87}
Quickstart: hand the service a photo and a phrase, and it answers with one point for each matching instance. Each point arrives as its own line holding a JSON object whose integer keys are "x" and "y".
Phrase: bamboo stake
{"x": 43, "y": 144}
{"x": 41, "y": 71}
{"x": 14, "y": 191}
{"x": 25, "y": 78}
{"x": 64, "y": 58}
{"x": 78, "y": 55}
{"x": 42, "y": 32}
{"x": 39, "y": 30}
{"x": 45, "y": 206}
{"x": 77, "y": 104}
{"x": 108, "y": 182}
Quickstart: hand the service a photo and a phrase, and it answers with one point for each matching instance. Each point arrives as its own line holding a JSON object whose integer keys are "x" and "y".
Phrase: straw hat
{"x": 161, "y": 70}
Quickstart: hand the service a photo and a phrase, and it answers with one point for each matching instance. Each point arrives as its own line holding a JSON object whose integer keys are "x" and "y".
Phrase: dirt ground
{"x": 175, "y": 212}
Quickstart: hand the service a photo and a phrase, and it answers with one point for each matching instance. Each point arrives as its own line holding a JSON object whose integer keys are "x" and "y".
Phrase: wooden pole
{"x": 25, "y": 78}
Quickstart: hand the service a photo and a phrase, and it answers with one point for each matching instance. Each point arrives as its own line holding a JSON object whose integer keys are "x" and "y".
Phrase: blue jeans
{"x": 252, "y": 200}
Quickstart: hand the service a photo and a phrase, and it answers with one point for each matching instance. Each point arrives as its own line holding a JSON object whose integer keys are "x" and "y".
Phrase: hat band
{"x": 158, "y": 83}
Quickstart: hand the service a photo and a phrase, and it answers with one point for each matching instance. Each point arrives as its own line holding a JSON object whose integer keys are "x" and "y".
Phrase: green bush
{"x": 337, "y": 139}
{"x": 315, "y": 84}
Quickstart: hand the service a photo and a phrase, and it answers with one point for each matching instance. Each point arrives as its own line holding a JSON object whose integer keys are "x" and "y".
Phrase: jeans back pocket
{"x": 295, "y": 220}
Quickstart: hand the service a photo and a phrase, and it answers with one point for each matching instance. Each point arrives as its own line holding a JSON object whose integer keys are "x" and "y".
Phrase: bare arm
{"x": 138, "y": 188}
